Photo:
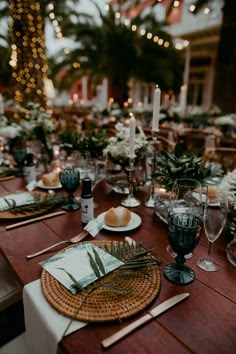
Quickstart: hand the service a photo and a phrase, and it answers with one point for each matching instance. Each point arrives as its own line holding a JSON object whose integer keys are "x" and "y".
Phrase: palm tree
{"x": 225, "y": 65}
{"x": 109, "y": 48}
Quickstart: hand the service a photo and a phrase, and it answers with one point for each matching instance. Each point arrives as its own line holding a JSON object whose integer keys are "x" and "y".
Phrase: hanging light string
{"x": 28, "y": 58}
{"x": 57, "y": 28}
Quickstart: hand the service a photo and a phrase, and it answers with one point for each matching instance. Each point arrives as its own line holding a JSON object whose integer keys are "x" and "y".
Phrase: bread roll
{"x": 212, "y": 192}
{"x": 119, "y": 216}
{"x": 51, "y": 179}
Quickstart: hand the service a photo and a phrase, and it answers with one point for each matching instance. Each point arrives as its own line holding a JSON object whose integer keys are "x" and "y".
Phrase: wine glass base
{"x": 177, "y": 275}
{"x": 130, "y": 202}
{"x": 70, "y": 207}
{"x": 149, "y": 203}
{"x": 207, "y": 264}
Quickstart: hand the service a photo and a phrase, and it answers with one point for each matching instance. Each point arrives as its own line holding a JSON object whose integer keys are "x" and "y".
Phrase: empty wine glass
{"x": 186, "y": 196}
{"x": 19, "y": 155}
{"x": 184, "y": 230}
{"x": 70, "y": 180}
{"x": 214, "y": 218}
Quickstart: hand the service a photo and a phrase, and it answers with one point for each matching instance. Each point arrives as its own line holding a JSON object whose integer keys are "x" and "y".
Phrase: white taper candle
{"x": 156, "y": 109}
{"x": 132, "y": 127}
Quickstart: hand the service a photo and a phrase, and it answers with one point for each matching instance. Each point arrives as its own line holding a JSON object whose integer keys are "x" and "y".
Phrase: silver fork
{"x": 74, "y": 239}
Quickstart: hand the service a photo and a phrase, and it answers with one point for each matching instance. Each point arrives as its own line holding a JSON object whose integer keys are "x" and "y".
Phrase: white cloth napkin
{"x": 44, "y": 325}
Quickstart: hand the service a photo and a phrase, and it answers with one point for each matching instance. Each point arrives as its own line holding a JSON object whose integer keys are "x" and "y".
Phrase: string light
{"x": 176, "y": 3}
{"x": 57, "y": 28}
{"x": 192, "y": 8}
{"x": 149, "y": 35}
{"x": 206, "y": 10}
{"x": 28, "y": 56}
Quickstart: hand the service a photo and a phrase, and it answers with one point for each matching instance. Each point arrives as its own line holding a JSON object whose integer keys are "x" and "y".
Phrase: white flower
{"x": 227, "y": 186}
{"x": 118, "y": 146}
{"x": 226, "y": 120}
{"x": 214, "y": 110}
{"x": 11, "y": 131}
{"x": 3, "y": 121}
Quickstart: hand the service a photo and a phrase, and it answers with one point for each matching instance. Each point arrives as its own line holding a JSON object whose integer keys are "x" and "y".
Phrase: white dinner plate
{"x": 135, "y": 221}
{"x": 41, "y": 185}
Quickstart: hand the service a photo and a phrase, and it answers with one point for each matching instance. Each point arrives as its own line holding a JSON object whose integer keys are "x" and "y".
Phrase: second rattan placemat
{"x": 100, "y": 306}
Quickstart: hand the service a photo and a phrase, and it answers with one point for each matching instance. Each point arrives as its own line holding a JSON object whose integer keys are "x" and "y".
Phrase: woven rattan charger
{"x": 100, "y": 306}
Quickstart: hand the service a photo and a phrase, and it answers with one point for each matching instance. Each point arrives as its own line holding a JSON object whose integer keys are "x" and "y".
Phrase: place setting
{"x": 82, "y": 282}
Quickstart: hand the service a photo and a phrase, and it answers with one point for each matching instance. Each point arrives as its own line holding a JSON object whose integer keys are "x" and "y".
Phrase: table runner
{"x": 44, "y": 326}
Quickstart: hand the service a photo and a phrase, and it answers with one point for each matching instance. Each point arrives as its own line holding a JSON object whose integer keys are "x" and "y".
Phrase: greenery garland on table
{"x": 90, "y": 141}
{"x": 48, "y": 201}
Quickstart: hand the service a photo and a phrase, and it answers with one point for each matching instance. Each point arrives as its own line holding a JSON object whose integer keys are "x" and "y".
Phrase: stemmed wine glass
{"x": 214, "y": 218}
{"x": 70, "y": 179}
{"x": 186, "y": 194}
{"x": 19, "y": 155}
{"x": 184, "y": 227}
{"x": 184, "y": 230}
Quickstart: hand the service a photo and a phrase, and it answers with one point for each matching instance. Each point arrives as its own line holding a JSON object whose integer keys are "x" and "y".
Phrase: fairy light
{"x": 206, "y": 10}
{"x": 28, "y": 56}
{"x": 57, "y": 28}
{"x": 176, "y": 3}
{"x": 192, "y": 8}
{"x": 156, "y": 39}
{"x": 117, "y": 15}
{"x": 142, "y": 31}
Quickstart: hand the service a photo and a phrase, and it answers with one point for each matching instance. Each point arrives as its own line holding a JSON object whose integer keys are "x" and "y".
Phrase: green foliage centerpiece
{"x": 171, "y": 166}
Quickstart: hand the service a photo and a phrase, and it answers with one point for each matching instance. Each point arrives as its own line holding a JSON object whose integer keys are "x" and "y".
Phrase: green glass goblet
{"x": 184, "y": 230}
{"x": 70, "y": 179}
{"x": 19, "y": 155}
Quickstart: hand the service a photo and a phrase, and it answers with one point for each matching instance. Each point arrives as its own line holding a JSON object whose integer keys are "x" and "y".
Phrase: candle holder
{"x": 150, "y": 201}
{"x": 131, "y": 201}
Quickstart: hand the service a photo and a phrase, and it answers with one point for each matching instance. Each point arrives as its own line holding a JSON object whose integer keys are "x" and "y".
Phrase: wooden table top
{"x": 203, "y": 323}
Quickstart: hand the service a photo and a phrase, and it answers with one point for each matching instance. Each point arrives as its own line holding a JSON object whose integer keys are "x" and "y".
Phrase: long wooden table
{"x": 203, "y": 323}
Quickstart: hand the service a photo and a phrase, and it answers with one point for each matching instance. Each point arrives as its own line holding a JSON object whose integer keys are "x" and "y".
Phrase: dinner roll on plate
{"x": 51, "y": 179}
{"x": 118, "y": 216}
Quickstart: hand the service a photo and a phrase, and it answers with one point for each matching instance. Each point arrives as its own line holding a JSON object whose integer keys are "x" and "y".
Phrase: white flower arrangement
{"x": 11, "y": 131}
{"x": 7, "y": 130}
{"x": 227, "y": 186}
{"x": 117, "y": 149}
{"x": 33, "y": 117}
{"x": 229, "y": 119}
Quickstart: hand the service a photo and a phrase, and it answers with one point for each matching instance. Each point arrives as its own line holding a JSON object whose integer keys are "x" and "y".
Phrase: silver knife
{"x": 144, "y": 319}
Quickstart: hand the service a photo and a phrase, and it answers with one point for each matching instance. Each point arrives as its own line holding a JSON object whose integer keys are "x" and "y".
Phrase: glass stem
{"x": 70, "y": 198}
{"x": 209, "y": 249}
